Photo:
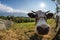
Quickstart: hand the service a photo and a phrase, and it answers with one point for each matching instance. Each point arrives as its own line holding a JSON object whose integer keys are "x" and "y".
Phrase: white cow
{"x": 5, "y": 24}
{"x": 2, "y": 26}
{"x": 42, "y": 28}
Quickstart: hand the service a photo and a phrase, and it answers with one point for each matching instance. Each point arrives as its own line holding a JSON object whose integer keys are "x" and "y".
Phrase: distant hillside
{"x": 14, "y": 14}
{"x": 21, "y": 14}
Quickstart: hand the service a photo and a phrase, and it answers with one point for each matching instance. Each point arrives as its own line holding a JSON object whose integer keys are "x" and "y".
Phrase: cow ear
{"x": 31, "y": 15}
{"x": 49, "y": 15}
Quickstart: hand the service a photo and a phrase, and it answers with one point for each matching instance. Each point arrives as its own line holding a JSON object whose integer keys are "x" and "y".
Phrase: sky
{"x": 26, "y": 6}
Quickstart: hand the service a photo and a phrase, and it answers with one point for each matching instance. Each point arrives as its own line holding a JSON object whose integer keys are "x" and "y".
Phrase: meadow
{"x": 22, "y": 31}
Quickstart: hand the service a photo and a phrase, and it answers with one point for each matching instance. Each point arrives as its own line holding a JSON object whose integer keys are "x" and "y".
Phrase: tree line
{"x": 18, "y": 19}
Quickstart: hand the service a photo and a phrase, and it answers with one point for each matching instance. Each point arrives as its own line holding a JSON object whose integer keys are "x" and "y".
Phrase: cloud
{"x": 4, "y": 8}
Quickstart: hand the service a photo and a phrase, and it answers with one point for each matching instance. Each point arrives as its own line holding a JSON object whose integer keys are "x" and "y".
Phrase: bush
{"x": 18, "y": 19}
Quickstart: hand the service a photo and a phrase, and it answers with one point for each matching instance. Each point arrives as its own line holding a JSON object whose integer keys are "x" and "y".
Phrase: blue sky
{"x": 28, "y": 5}
{"x": 22, "y": 7}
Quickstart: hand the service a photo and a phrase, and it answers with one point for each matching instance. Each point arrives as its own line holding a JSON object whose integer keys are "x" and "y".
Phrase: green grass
{"x": 21, "y": 31}
{"x": 24, "y": 25}
{"x": 31, "y": 25}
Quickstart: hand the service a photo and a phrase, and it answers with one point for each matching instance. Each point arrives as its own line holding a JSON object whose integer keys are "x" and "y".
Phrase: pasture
{"x": 22, "y": 31}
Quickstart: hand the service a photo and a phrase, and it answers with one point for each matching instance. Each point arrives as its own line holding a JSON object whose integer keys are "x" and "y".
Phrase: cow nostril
{"x": 42, "y": 30}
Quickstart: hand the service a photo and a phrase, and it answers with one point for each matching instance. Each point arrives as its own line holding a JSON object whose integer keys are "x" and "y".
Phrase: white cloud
{"x": 4, "y": 8}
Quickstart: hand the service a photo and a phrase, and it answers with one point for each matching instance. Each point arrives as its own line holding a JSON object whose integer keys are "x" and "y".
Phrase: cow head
{"x": 41, "y": 17}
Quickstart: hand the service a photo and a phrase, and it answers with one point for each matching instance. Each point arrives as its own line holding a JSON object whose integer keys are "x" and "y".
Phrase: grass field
{"x": 21, "y": 31}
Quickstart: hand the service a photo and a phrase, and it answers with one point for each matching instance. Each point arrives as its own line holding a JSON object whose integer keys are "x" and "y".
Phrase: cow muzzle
{"x": 43, "y": 29}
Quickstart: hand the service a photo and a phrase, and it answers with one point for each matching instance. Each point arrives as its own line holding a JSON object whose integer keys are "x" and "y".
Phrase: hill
{"x": 14, "y": 14}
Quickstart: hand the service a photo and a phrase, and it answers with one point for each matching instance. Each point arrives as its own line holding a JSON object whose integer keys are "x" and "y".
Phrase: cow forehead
{"x": 40, "y": 13}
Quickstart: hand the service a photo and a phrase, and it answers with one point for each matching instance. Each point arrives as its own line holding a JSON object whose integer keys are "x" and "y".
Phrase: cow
{"x": 42, "y": 28}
